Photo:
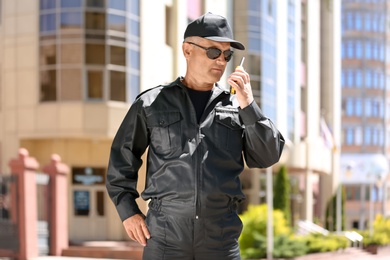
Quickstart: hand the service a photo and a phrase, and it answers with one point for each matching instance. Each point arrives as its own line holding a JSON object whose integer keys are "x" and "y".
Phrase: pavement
{"x": 347, "y": 254}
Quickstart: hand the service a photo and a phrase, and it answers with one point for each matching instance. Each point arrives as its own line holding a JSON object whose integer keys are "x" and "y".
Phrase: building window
{"x": 116, "y": 22}
{"x": 355, "y": 224}
{"x": 349, "y": 136}
{"x": 350, "y": 22}
{"x": 48, "y": 55}
{"x": 367, "y": 136}
{"x": 368, "y": 79}
{"x": 48, "y": 85}
{"x": 359, "y": 78}
{"x": 349, "y": 107}
{"x": 359, "y": 50}
{"x": 118, "y": 86}
{"x": 95, "y": 21}
{"x": 47, "y": 23}
{"x": 348, "y": 193}
{"x": 118, "y": 55}
{"x": 95, "y": 54}
{"x": 358, "y": 21}
{"x": 358, "y": 107}
{"x": 71, "y": 20}
{"x": 47, "y": 4}
{"x": 70, "y": 3}
{"x": 350, "y": 49}
{"x": 117, "y": 4}
{"x": 358, "y": 136}
{"x": 368, "y": 50}
{"x": 133, "y": 58}
{"x": 95, "y": 3}
{"x": 367, "y": 22}
{"x": 95, "y": 85}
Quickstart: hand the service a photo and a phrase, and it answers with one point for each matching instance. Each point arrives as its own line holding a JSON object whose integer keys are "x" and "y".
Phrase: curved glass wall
{"x": 89, "y": 50}
{"x": 262, "y": 53}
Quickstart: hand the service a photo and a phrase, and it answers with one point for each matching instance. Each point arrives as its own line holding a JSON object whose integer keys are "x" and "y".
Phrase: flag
{"x": 327, "y": 135}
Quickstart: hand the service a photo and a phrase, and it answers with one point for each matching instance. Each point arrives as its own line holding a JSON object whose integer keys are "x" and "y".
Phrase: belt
{"x": 189, "y": 211}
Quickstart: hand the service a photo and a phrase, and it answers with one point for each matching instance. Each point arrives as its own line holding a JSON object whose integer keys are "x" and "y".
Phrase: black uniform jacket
{"x": 188, "y": 164}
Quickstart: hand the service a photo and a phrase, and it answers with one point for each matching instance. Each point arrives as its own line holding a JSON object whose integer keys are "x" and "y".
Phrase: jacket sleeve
{"x": 263, "y": 143}
{"x": 129, "y": 144}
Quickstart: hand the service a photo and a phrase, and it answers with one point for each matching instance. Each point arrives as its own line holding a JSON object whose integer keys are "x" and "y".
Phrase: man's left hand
{"x": 240, "y": 81}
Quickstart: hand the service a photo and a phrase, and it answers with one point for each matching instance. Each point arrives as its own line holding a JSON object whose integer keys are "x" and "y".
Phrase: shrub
{"x": 317, "y": 243}
{"x": 284, "y": 247}
{"x": 288, "y": 247}
{"x": 253, "y": 241}
{"x": 255, "y": 224}
{"x": 381, "y": 232}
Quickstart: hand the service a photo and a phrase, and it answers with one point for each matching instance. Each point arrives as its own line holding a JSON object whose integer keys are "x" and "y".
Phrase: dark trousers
{"x": 176, "y": 234}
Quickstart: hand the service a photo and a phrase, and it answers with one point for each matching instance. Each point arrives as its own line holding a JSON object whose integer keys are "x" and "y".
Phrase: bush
{"x": 255, "y": 225}
{"x": 253, "y": 241}
{"x": 381, "y": 232}
{"x": 284, "y": 247}
{"x": 318, "y": 243}
{"x": 288, "y": 247}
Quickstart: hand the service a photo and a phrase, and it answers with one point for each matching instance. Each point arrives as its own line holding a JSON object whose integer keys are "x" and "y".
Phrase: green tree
{"x": 282, "y": 193}
{"x": 331, "y": 212}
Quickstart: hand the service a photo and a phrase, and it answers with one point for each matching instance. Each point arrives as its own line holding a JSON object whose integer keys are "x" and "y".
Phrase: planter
{"x": 372, "y": 249}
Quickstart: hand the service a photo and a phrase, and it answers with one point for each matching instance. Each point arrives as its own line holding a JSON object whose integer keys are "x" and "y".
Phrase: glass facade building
{"x": 261, "y": 36}
{"x": 262, "y": 57}
{"x": 89, "y": 50}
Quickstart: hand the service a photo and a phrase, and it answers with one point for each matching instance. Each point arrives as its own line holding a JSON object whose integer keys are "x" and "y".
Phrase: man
{"x": 197, "y": 134}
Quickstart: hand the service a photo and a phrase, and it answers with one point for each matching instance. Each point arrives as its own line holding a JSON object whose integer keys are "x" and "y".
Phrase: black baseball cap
{"x": 213, "y": 27}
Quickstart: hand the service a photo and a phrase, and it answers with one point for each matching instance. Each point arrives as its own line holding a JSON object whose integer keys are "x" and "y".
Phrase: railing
{"x": 355, "y": 238}
{"x": 9, "y": 233}
{"x": 306, "y": 227}
{"x": 35, "y": 223}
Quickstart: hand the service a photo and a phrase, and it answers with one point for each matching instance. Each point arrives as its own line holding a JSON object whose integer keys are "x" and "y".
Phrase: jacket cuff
{"x": 251, "y": 113}
{"x": 127, "y": 208}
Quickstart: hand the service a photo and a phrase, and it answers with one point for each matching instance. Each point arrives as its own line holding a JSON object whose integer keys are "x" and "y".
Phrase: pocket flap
{"x": 228, "y": 118}
{"x": 163, "y": 119}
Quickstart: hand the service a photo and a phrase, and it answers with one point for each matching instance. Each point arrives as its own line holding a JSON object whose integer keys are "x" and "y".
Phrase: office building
{"x": 365, "y": 110}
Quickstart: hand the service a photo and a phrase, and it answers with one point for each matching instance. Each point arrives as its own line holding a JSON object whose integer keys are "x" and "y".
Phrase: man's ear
{"x": 186, "y": 50}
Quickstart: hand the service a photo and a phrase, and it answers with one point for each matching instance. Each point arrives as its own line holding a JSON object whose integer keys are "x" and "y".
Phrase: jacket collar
{"x": 217, "y": 90}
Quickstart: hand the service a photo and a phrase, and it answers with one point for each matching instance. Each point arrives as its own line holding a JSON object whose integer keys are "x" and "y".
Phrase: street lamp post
{"x": 270, "y": 221}
{"x": 269, "y": 197}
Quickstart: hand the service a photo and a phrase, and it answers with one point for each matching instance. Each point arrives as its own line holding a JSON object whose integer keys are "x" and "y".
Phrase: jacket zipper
{"x": 198, "y": 159}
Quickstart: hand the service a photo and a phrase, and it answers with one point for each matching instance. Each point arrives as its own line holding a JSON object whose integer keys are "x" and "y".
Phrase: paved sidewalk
{"x": 348, "y": 254}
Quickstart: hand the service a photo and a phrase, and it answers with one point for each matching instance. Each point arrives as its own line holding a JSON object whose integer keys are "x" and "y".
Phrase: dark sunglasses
{"x": 213, "y": 52}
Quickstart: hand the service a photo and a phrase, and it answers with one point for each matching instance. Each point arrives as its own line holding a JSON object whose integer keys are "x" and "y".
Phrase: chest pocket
{"x": 165, "y": 129}
{"x": 229, "y": 131}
